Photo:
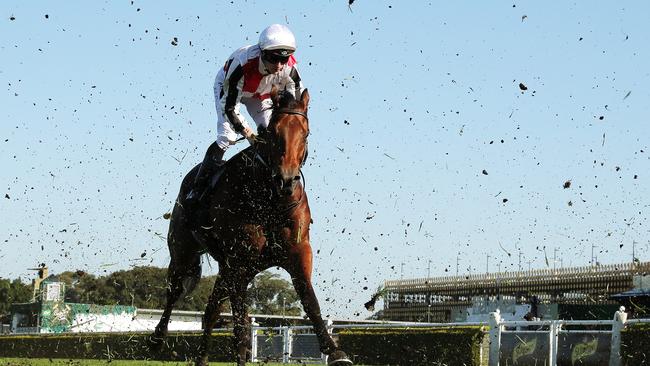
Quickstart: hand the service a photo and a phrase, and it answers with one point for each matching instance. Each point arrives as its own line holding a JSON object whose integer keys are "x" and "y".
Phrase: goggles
{"x": 281, "y": 56}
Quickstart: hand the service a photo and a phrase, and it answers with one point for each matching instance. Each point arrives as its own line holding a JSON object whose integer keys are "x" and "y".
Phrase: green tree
{"x": 142, "y": 287}
{"x": 271, "y": 294}
{"x": 146, "y": 288}
{"x": 12, "y": 292}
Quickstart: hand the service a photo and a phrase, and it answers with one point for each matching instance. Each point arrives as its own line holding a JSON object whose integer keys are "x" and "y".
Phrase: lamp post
{"x": 487, "y": 263}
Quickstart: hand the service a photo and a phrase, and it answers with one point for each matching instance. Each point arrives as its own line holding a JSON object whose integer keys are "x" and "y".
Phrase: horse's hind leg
{"x": 183, "y": 274}
{"x": 182, "y": 278}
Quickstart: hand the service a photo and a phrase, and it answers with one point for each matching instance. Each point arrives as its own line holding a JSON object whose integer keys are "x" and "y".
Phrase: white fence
{"x": 5, "y": 328}
{"x": 554, "y": 342}
{"x": 542, "y": 342}
{"x": 300, "y": 344}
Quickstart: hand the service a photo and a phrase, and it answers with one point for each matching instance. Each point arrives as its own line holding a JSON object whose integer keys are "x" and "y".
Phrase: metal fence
{"x": 300, "y": 344}
{"x": 541, "y": 342}
{"x": 286, "y": 344}
{"x": 557, "y": 342}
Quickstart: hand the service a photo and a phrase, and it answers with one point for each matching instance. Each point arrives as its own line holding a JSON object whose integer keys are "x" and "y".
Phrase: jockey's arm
{"x": 296, "y": 82}
{"x": 235, "y": 81}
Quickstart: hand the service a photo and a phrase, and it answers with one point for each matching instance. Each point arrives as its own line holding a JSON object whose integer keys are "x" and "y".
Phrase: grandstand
{"x": 577, "y": 292}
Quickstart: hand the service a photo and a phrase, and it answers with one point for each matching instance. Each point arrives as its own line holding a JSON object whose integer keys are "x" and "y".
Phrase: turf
{"x": 64, "y": 362}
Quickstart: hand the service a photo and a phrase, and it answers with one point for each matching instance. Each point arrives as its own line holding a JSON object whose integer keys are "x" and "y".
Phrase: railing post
{"x": 620, "y": 317}
{"x": 253, "y": 340}
{"x": 495, "y": 337}
{"x": 286, "y": 349}
{"x": 553, "y": 332}
{"x": 328, "y": 325}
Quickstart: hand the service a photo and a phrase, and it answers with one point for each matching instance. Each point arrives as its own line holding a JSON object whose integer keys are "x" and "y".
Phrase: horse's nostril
{"x": 297, "y": 177}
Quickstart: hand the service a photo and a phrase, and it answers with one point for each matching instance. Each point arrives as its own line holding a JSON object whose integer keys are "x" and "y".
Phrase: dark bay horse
{"x": 257, "y": 217}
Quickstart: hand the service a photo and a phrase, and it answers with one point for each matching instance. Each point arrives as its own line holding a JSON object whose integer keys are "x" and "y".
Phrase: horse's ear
{"x": 304, "y": 98}
{"x": 274, "y": 95}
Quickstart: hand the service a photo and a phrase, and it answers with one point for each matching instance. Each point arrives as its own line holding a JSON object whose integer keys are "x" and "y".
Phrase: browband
{"x": 290, "y": 111}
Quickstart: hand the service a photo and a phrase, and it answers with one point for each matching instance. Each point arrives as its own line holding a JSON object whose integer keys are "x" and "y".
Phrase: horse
{"x": 256, "y": 217}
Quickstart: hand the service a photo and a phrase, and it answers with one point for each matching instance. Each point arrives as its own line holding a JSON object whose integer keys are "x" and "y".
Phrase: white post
{"x": 495, "y": 337}
{"x": 286, "y": 349}
{"x": 328, "y": 325}
{"x": 620, "y": 317}
{"x": 552, "y": 342}
{"x": 14, "y": 324}
{"x": 253, "y": 340}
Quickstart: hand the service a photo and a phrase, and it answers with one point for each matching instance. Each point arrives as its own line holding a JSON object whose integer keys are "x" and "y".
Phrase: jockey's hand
{"x": 252, "y": 139}
{"x": 250, "y": 136}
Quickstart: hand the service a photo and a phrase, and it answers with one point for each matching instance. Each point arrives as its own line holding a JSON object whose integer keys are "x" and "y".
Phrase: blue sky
{"x": 101, "y": 117}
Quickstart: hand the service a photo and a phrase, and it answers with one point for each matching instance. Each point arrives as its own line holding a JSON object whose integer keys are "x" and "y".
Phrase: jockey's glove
{"x": 252, "y": 139}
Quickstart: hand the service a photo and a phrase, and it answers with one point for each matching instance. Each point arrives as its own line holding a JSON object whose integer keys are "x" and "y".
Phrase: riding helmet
{"x": 277, "y": 37}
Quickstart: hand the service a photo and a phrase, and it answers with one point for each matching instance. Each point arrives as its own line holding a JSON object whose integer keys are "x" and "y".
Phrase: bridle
{"x": 291, "y": 111}
{"x": 290, "y": 206}
{"x": 304, "y": 115}
{"x": 306, "y": 153}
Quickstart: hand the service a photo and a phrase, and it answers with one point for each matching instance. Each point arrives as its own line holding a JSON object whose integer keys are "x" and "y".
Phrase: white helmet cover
{"x": 277, "y": 36}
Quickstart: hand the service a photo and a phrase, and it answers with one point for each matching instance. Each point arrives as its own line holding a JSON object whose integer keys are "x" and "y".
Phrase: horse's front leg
{"x": 300, "y": 267}
{"x": 222, "y": 288}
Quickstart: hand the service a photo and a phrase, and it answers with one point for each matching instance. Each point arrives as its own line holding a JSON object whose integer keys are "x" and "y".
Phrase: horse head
{"x": 286, "y": 140}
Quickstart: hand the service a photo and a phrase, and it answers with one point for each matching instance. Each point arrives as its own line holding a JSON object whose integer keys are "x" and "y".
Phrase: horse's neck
{"x": 246, "y": 172}
{"x": 250, "y": 177}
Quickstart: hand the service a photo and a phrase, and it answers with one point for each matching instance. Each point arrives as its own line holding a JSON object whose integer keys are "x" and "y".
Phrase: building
{"x": 566, "y": 293}
{"x": 49, "y": 313}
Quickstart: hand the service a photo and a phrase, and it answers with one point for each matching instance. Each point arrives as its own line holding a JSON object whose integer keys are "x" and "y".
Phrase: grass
{"x": 64, "y": 362}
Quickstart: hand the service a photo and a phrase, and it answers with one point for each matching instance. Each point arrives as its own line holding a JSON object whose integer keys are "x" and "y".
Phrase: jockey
{"x": 246, "y": 78}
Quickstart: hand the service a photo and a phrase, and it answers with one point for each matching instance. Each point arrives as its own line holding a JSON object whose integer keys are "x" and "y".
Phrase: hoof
{"x": 155, "y": 342}
{"x": 338, "y": 358}
{"x": 201, "y": 362}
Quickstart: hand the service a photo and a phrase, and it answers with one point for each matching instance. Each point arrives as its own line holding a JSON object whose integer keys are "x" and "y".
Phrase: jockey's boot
{"x": 211, "y": 162}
